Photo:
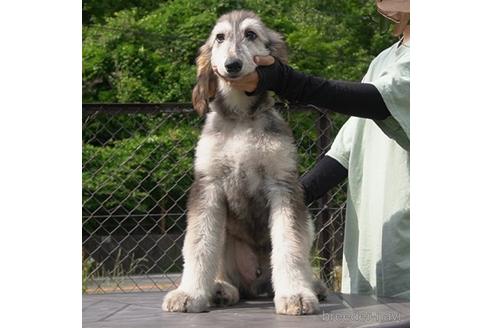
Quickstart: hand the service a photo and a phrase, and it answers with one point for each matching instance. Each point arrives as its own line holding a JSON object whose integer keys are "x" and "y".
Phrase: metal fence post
{"x": 323, "y": 127}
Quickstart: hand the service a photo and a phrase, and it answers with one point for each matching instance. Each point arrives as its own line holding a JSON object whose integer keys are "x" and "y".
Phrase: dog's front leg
{"x": 202, "y": 248}
{"x": 291, "y": 233}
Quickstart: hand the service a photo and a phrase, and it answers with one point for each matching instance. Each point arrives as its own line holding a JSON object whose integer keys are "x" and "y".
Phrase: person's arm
{"x": 326, "y": 174}
{"x": 350, "y": 98}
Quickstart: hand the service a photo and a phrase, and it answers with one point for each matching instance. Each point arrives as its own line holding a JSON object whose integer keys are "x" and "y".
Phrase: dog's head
{"x": 236, "y": 38}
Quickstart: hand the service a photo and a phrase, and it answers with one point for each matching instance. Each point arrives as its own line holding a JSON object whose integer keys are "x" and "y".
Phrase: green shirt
{"x": 376, "y": 255}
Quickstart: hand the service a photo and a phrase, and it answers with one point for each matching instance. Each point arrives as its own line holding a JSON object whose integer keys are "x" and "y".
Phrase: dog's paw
{"x": 180, "y": 301}
{"x": 225, "y": 294}
{"x": 297, "y": 304}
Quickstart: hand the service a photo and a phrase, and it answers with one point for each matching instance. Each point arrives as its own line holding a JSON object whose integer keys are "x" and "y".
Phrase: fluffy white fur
{"x": 243, "y": 152}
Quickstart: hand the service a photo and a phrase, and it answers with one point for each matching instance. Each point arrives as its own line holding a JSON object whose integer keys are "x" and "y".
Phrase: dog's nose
{"x": 233, "y": 65}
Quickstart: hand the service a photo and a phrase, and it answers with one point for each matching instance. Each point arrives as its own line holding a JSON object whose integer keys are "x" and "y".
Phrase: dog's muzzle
{"x": 233, "y": 66}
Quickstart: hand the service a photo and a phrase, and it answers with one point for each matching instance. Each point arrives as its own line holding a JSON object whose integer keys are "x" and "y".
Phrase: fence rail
{"x": 137, "y": 171}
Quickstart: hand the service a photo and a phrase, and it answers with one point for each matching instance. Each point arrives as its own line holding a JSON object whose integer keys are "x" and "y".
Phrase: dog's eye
{"x": 220, "y": 37}
{"x": 250, "y": 35}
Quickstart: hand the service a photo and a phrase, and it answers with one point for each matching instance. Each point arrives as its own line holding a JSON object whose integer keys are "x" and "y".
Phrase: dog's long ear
{"x": 277, "y": 46}
{"x": 206, "y": 84}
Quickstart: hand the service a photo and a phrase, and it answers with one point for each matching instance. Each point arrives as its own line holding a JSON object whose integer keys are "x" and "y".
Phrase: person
{"x": 372, "y": 149}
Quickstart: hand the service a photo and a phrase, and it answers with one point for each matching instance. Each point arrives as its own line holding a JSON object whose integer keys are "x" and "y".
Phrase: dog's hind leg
{"x": 203, "y": 246}
{"x": 225, "y": 293}
{"x": 292, "y": 235}
{"x": 320, "y": 288}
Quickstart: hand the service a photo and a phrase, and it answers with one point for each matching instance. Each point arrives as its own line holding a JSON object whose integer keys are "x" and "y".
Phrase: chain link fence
{"x": 137, "y": 171}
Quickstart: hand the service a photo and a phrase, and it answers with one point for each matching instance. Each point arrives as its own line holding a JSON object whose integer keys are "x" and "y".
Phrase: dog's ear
{"x": 277, "y": 46}
{"x": 206, "y": 84}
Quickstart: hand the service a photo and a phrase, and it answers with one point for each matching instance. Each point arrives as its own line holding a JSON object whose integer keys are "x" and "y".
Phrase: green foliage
{"x": 144, "y": 51}
{"x": 96, "y": 11}
{"x": 146, "y": 172}
{"x": 87, "y": 265}
{"x": 92, "y": 270}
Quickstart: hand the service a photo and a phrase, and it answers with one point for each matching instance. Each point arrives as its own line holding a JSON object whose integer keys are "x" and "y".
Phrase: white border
{"x": 450, "y": 163}
{"x": 40, "y": 176}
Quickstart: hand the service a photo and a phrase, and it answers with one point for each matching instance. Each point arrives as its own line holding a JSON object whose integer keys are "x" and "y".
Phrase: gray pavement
{"x": 143, "y": 310}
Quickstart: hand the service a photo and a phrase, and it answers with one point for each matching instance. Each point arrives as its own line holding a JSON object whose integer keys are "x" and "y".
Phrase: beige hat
{"x": 397, "y": 11}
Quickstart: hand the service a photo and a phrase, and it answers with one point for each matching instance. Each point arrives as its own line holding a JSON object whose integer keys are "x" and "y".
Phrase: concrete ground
{"x": 143, "y": 310}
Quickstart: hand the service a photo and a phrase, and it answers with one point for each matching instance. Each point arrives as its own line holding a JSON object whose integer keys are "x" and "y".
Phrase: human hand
{"x": 250, "y": 81}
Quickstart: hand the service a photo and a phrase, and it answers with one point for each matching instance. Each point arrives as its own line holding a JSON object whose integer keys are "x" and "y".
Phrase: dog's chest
{"x": 245, "y": 159}
{"x": 244, "y": 154}
{"x": 247, "y": 149}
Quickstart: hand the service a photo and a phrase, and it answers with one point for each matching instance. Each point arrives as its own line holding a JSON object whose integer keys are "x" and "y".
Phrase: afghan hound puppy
{"x": 248, "y": 230}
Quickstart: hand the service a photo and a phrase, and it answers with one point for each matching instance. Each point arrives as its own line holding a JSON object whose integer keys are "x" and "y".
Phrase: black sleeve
{"x": 350, "y": 98}
{"x": 326, "y": 174}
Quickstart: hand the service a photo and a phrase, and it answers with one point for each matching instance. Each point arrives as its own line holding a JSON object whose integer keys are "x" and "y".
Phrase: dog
{"x": 248, "y": 229}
